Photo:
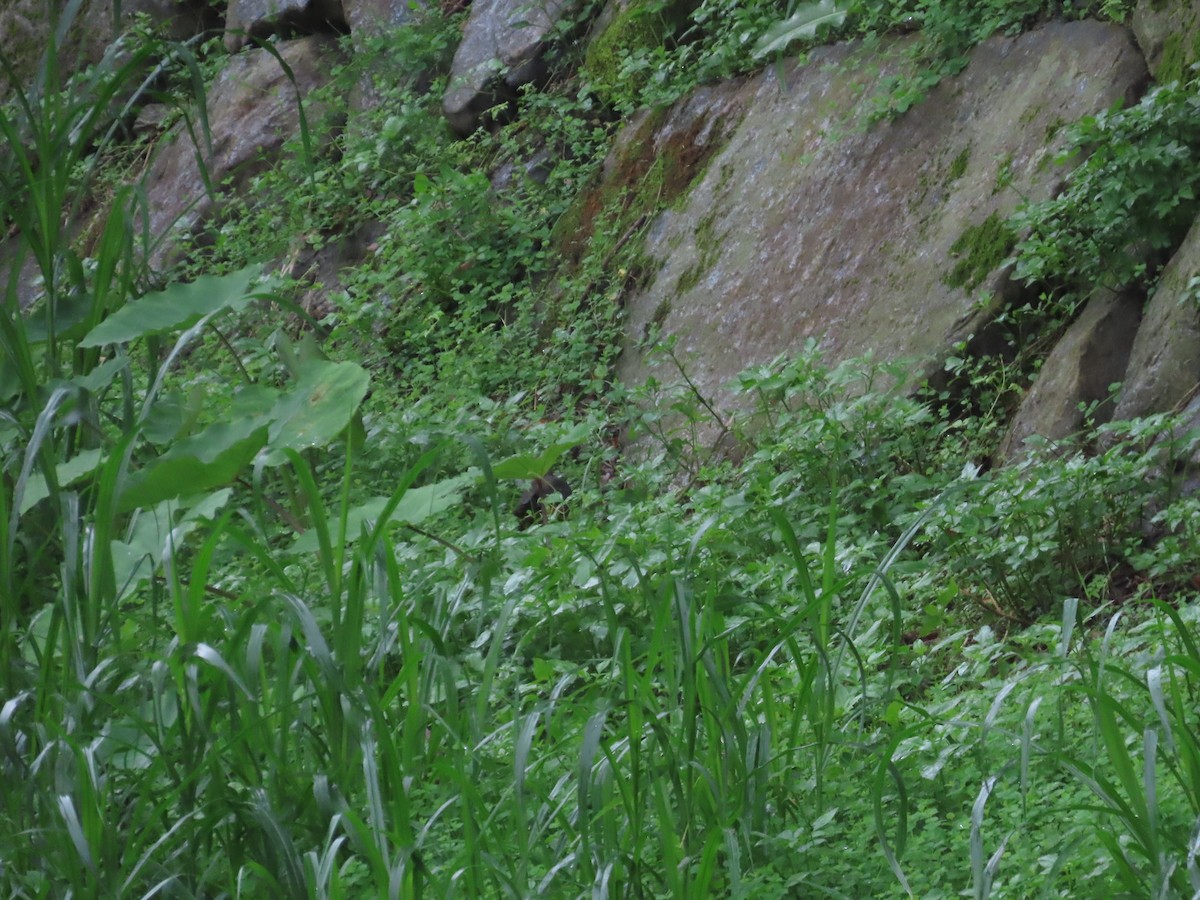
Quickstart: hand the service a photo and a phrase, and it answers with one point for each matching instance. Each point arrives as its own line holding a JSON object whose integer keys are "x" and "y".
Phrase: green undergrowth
{"x": 269, "y": 626}
{"x": 1128, "y": 203}
{"x": 663, "y": 58}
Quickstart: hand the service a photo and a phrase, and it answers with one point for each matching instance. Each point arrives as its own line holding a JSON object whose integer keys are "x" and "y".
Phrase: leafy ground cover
{"x": 269, "y": 628}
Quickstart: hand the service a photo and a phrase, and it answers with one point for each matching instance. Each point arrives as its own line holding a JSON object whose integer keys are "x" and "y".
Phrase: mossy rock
{"x": 1169, "y": 35}
{"x": 1180, "y": 52}
{"x": 624, "y": 28}
{"x": 24, "y": 33}
{"x": 979, "y": 251}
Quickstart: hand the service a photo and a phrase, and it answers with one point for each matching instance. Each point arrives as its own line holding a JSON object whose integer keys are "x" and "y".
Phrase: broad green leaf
{"x": 101, "y": 376}
{"x": 164, "y": 422}
{"x": 210, "y": 459}
{"x": 173, "y": 415}
{"x": 803, "y": 23}
{"x": 318, "y": 409}
{"x": 297, "y": 357}
{"x": 154, "y": 533}
{"x": 253, "y": 401}
{"x": 68, "y": 472}
{"x": 525, "y": 466}
{"x": 177, "y": 306}
{"x": 416, "y": 505}
{"x": 71, "y": 312}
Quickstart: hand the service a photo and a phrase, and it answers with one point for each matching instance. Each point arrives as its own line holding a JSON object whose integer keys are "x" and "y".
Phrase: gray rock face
{"x": 251, "y": 112}
{"x": 262, "y": 18}
{"x": 810, "y": 224}
{"x": 1164, "y": 366}
{"x": 371, "y": 18}
{"x": 23, "y": 36}
{"x": 1081, "y": 368}
{"x": 677, "y": 142}
{"x": 177, "y": 20}
{"x": 500, "y": 50}
{"x": 25, "y": 31}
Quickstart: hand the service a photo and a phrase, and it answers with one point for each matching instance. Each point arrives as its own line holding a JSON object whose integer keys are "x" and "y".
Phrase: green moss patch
{"x": 958, "y": 168}
{"x": 980, "y": 250}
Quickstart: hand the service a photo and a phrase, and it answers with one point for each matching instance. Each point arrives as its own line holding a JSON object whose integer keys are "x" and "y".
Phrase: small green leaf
{"x": 416, "y": 505}
{"x": 524, "y": 466}
{"x": 803, "y": 23}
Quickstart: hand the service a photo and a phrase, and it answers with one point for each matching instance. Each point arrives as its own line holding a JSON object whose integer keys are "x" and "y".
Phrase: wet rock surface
{"x": 813, "y": 223}
{"x": 1164, "y": 364}
{"x": 1169, "y": 35}
{"x": 246, "y": 19}
{"x": 1079, "y": 373}
{"x": 251, "y": 111}
{"x": 792, "y": 216}
{"x": 500, "y": 51}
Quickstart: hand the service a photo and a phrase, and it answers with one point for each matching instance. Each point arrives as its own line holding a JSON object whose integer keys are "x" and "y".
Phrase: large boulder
{"x": 501, "y": 50}
{"x": 1078, "y": 374}
{"x": 373, "y": 18}
{"x": 813, "y": 223}
{"x": 246, "y": 19}
{"x": 24, "y": 34}
{"x": 1164, "y": 365}
{"x": 25, "y": 31}
{"x": 252, "y": 110}
{"x": 1169, "y": 35}
{"x": 176, "y": 20}
{"x": 654, "y": 159}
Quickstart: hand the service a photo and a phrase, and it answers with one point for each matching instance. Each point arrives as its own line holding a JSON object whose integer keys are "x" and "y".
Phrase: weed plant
{"x": 1128, "y": 203}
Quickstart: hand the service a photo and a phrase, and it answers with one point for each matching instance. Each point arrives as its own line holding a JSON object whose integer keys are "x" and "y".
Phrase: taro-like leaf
{"x": 525, "y": 466}
{"x": 416, "y": 505}
{"x": 252, "y": 401}
{"x": 177, "y": 306}
{"x": 101, "y": 376}
{"x": 210, "y": 459}
{"x": 173, "y": 415}
{"x": 804, "y": 22}
{"x": 66, "y": 473}
{"x": 156, "y": 532}
{"x": 297, "y": 357}
{"x": 317, "y": 410}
